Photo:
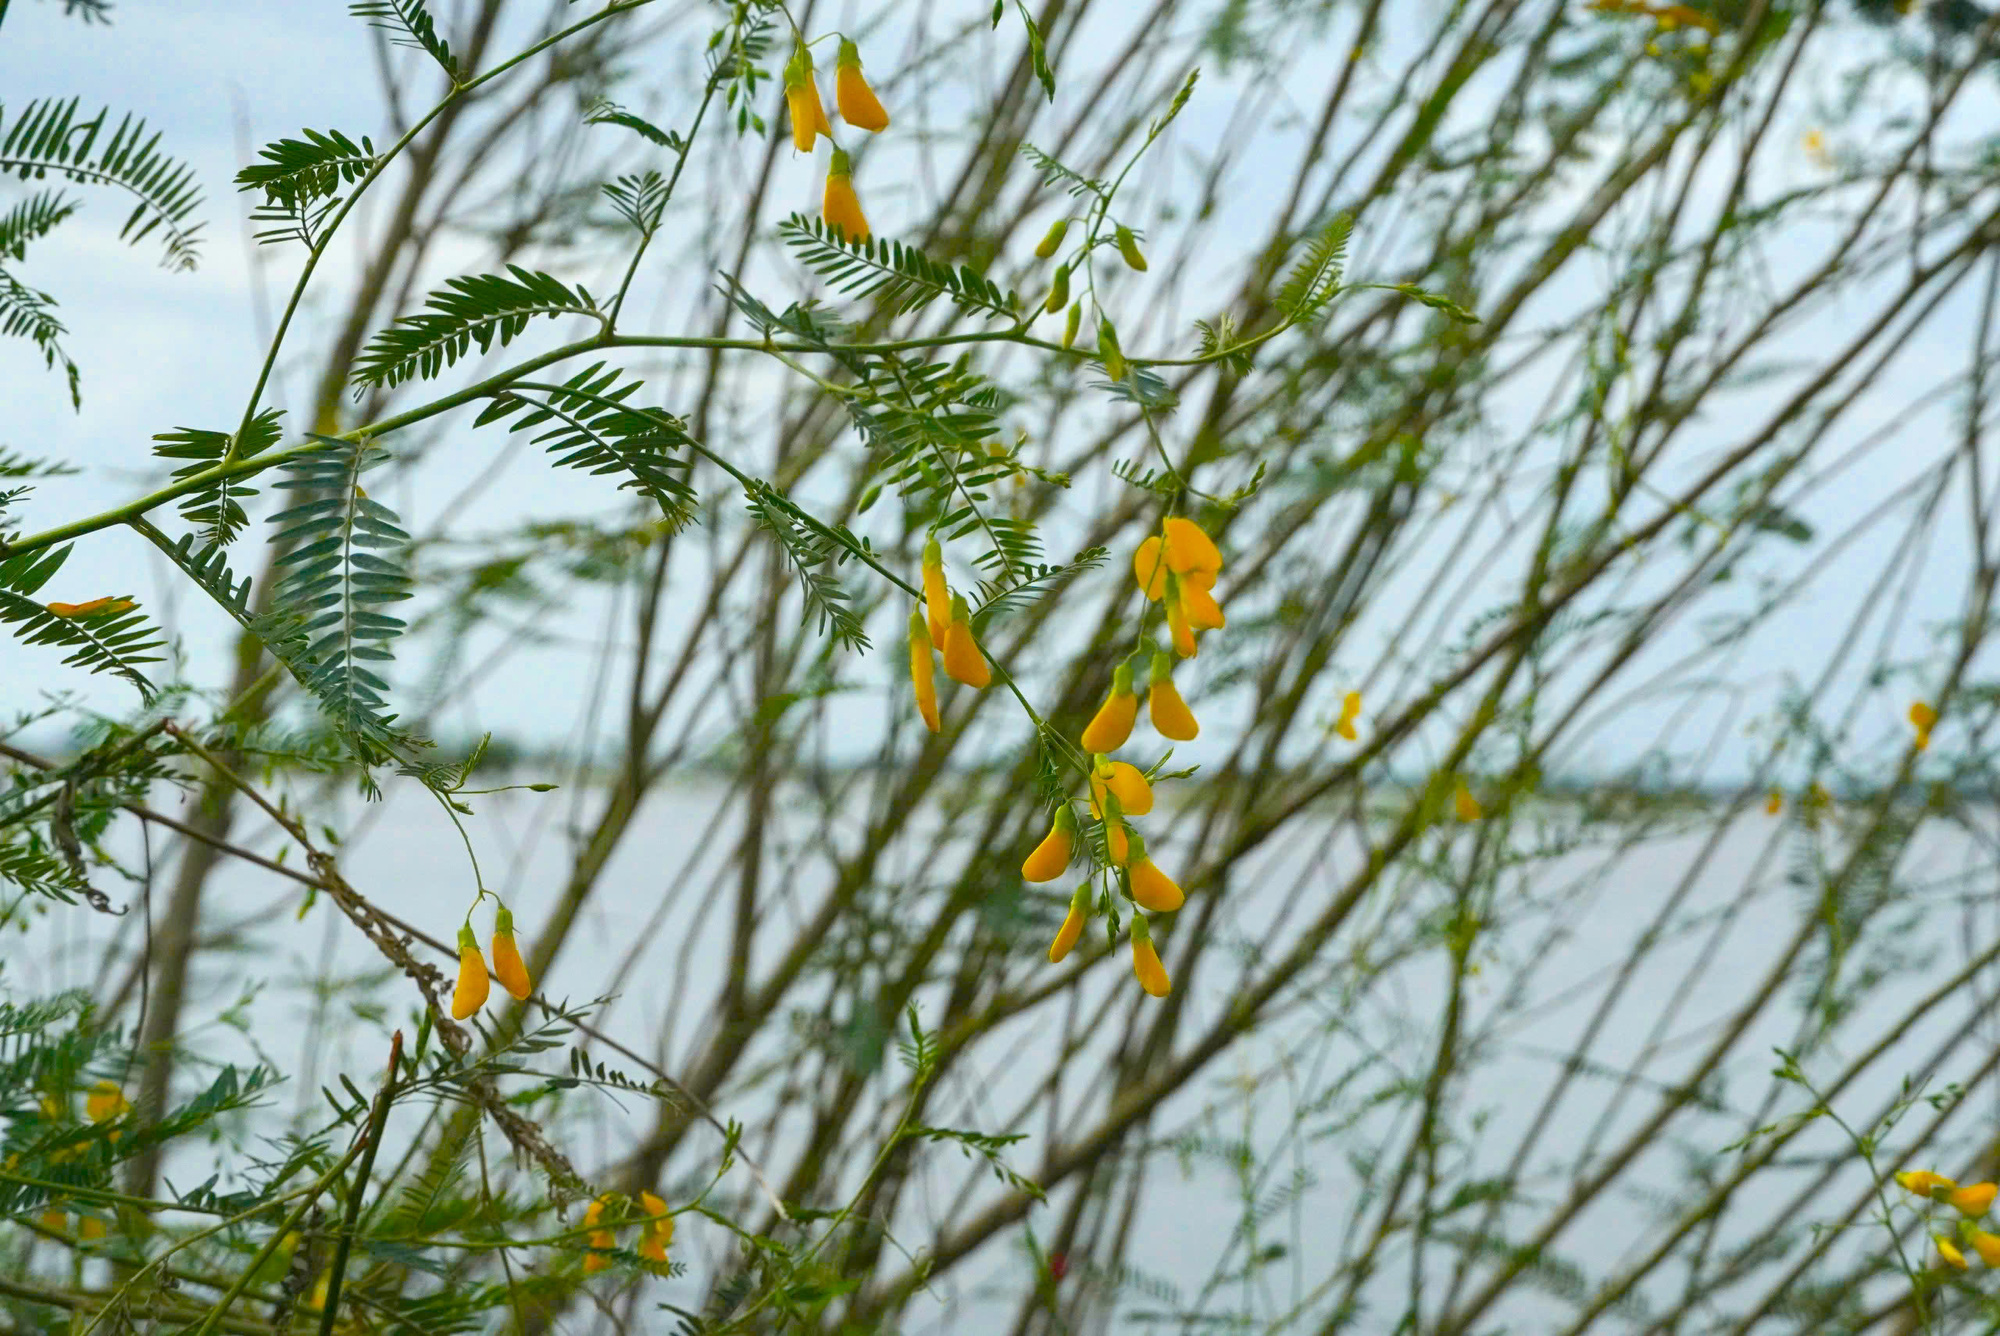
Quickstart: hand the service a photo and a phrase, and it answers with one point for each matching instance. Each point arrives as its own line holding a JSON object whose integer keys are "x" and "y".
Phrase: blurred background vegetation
{"x": 1653, "y": 553}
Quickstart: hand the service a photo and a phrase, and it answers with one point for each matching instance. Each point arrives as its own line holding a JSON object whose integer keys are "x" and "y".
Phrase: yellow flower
{"x": 96, "y": 607}
{"x": 842, "y": 207}
{"x": 470, "y": 995}
{"x": 105, "y": 1102}
{"x": 1123, "y": 781}
{"x": 1170, "y": 714}
{"x": 922, "y": 673}
{"x": 89, "y": 1227}
{"x": 1112, "y": 724}
{"x": 1198, "y": 605}
{"x": 600, "y": 1241}
{"x": 1128, "y": 246}
{"x": 859, "y": 106}
{"x": 1464, "y": 804}
{"x": 507, "y": 966}
{"x": 1774, "y": 802}
{"x": 1152, "y": 889}
{"x": 1072, "y": 925}
{"x": 937, "y": 594}
{"x": 1949, "y": 1251}
{"x": 1350, "y": 710}
{"x": 1146, "y": 965}
{"x": 1923, "y": 718}
{"x": 1987, "y": 1246}
{"x": 1183, "y": 634}
{"x": 962, "y": 659}
{"x": 1118, "y": 841}
{"x": 1149, "y": 570}
{"x": 1052, "y": 856}
{"x": 659, "y": 1230}
{"x": 1924, "y": 1183}
{"x": 1189, "y": 548}
{"x": 802, "y": 100}
{"x": 1974, "y": 1199}
{"x": 1052, "y": 243}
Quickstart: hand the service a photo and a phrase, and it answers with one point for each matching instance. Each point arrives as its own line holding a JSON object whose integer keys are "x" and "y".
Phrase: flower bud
{"x": 1122, "y": 781}
{"x": 1052, "y": 242}
{"x": 1170, "y": 714}
{"x": 922, "y": 673}
{"x": 802, "y": 101}
{"x": 1112, "y": 725}
{"x": 1146, "y": 965}
{"x": 1115, "y": 365}
{"x": 1058, "y": 290}
{"x": 1151, "y": 889}
{"x": 470, "y": 994}
{"x": 937, "y": 594}
{"x": 507, "y": 965}
{"x": 1052, "y": 856}
{"x": 1072, "y": 924}
{"x": 1073, "y": 323}
{"x": 841, "y": 207}
{"x": 962, "y": 659}
{"x": 859, "y": 106}
{"x": 1128, "y": 246}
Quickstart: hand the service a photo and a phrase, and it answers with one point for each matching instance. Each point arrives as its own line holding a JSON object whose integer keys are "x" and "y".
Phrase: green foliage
{"x": 217, "y": 509}
{"x": 902, "y": 278}
{"x": 343, "y": 558}
{"x": 482, "y": 310}
{"x": 1054, "y": 173}
{"x": 816, "y": 556}
{"x": 1315, "y": 278}
{"x": 595, "y": 430}
{"x": 411, "y": 25}
{"x": 32, "y": 219}
{"x": 606, "y": 112}
{"x": 116, "y": 642}
{"x": 301, "y": 180}
{"x": 26, "y": 314}
{"x": 48, "y": 137}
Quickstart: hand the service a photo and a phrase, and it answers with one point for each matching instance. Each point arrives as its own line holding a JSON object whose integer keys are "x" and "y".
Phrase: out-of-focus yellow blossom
{"x": 841, "y": 207}
{"x": 659, "y": 1229}
{"x": 1072, "y": 925}
{"x": 56, "y": 1220}
{"x": 802, "y": 100}
{"x": 1350, "y": 710}
{"x": 859, "y": 106}
{"x": 89, "y": 1228}
{"x": 1464, "y": 805}
{"x": 1170, "y": 714}
{"x": 1146, "y": 966}
{"x": 1815, "y": 147}
{"x": 1123, "y": 781}
{"x": 1817, "y": 796}
{"x": 1924, "y": 1183}
{"x": 1774, "y": 802}
{"x": 1974, "y": 1199}
{"x": 600, "y": 1241}
{"x": 1052, "y": 856}
{"x": 1112, "y": 724}
{"x": 105, "y": 1102}
{"x": 1987, "y": 1246}
{"x": 508, "y": 967}
{"x": 1922, "y": 718}
{"x": 962, "y": 659}
{"x": 470, "y": 994}
{"x": 937, "y": 594}
{"x": 1128, "y": 246}
{"x": 923, "y": 674}
{"x": 1949, "y": 1251}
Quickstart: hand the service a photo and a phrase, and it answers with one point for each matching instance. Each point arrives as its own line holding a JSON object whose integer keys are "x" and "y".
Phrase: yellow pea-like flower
{"x": 1128, "y": 246}
{"x": 1923, "y": 718}
{"x": 1182, "y": 631}
{"x": 842, "y": 207}
{"x": 1058, "y": 290}
{"x": 1123, "y": 781}
{"x": 470, "y": 994}
{"x": 1774, "y": 802}
{"x": 1924, "y": 1183}
{"x": 508, "y": 967}
{"x": 1072, "y": 927}
{"x": 600, "y": 1241}
{"x": 1052, "y": 856}
{"x": 1149, "y": 568}
{"x": 802, "y": 101}
{"x": 1987, "y": 1246}
{"x": 1350, "y": 710}
{"x": 96, "y": 607}
{"x": 1189, "y": 548}
{"x": 1949, "y": 1251}
{"x": 1464, "y": 804}
{"x": 1118, "y": 841}
{"x": 1198, "y": 605}
{"x": 859, "y": 106}
{"x": 1171, "y": 716}
{"x": 1146, "y": 966}
{"x": 962, "y": 659}
{"x": 56, "y": 1220}
{"x": 89, "y": 1227}
{"x": 937, "y": 594}
{"x": 1112, "y": 724}
{"x": 1974, "y": 1199}
{"x": 659, "y": 1230}
{"x": 923, "y": 674}
{"x": 1052, "y": 242}
{"x": 1152, "y": 889}
{"x": 105, "y": 1102}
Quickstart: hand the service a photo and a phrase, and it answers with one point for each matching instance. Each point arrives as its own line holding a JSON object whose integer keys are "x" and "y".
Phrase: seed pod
{"x": 1128, "y": 246}
{"x": 1050, "y": 243}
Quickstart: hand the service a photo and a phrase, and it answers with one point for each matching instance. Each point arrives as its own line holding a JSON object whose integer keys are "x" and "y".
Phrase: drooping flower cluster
{"x": 859, "y": 107}
{"x": 104, "y": 1103}
{"x": 1177, "y": 566}
{"x": 1970, "y": 1202}
{"x": 473, "y": 981}
{"x": 942, "y": 627}
{"x": 656, "y": 1231}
